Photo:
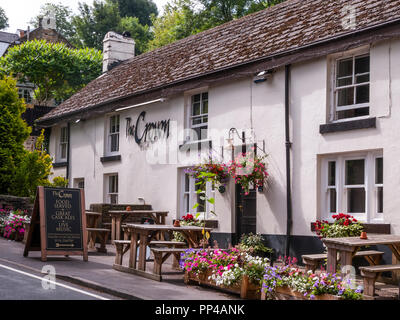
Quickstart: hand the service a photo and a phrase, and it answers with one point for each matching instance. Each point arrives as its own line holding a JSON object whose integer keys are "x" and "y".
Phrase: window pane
{"x": 114, "y": 142}
{"x": 332, "y": 173}
{"x": 345, "y": 68}
{"x": 356, "y": 200}
{"x": 201, "y": 206}
{"x": 332, "y": 200}
{"x": 205, "y": 107}
{"x": 362, "y": 65}
{"x": 204, "y": 96}
{"x": 379, "y": 171}
{"x": 380, "y": 200}
{"x": 355, "y": 172}
{"x": 345, "y": 97}
{"x": 113, "y": 198}
{"x": 186, "y": 201}
{"x": 63, "y": 151}
{"x": 196, "y": 98}
{"x": 196, "y": 121}
{"x": 362, "y": 94}
{"x": 187, "y": 183}
{"x": 344, "y": 82}
{"x": 196, "y": 109}
{"x": 354, "y": 113}
{"x": 363, "y": 78}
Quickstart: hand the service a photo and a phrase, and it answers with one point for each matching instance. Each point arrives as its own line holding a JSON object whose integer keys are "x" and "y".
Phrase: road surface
{"x": 19, "y": 284}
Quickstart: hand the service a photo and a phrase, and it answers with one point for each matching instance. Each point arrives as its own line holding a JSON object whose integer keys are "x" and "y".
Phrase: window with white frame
{"x": 63, "y": 145}
{"x": 113, "y": 135}
{"x": 353, "y": 184}
{"x": 189, "y": 197}
{"x": 112, "y": 188}
{"x": 26, "y": 94}
{"x": 199, "y": 115}
{"x": 351, "y": 88}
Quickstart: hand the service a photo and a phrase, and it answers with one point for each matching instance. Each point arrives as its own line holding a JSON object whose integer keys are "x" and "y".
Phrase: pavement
{"x": 98, "y": 274}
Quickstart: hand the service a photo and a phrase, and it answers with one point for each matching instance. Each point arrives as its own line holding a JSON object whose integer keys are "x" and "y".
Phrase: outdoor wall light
{"x": 262, "y": 76}
{"x": 142, "y": 199}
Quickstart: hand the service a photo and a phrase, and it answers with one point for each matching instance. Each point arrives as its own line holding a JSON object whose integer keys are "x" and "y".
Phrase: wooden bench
{"x": 170, "y": 244}
{"x": 312, "y": 261}
{"x": 162, "y": 254}
{"x": 121, "y": 247}
{"x": 371, "y": 273}
{"x": 102, "y": 234}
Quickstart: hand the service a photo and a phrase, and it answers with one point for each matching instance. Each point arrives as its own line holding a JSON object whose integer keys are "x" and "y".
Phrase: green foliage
{"x": 141, "y": 9}
{"x": 13, "y": 132}
{"x": 63, "y": 15}
{"x": 182, "y": 18}
{"x": 33, "y": 171}
{"x": 95, "y": 21}
{"x": 253, "y": 243}
{"x": 344, "y": 225}
{"x": 56, "y": 70}
{"x": 60, "y": 182}
{"x": 3, "y": 19}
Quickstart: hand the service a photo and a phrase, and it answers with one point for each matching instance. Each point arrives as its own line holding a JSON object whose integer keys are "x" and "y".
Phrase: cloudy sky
{"x": 19, "y": 12}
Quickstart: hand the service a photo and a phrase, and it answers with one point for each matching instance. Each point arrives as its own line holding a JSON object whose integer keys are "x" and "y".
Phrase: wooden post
{"x": 331, "y": 263}
{"x": 142, "y": 251}
{"x": 133, "y": 251}
{"x": 84, "y": 233}
{"x": 244, "y": 287}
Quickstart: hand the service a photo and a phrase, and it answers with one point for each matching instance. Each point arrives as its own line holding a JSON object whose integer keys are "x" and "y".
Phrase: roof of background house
{"x": 8, "y": 37}
{"x": 290, "y": 25}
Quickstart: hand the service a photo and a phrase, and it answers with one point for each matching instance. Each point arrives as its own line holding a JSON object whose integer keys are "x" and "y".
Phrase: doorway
{"x": 246, "y": 212}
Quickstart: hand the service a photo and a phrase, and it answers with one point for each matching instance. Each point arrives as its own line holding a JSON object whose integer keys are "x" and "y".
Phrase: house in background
{"x": 317, "y": 91}
{"x": 47, "y": 31}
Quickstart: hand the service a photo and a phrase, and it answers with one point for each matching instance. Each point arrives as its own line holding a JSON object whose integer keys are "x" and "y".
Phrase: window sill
{"x": 347, "y": 125}
{"x": 379, "y": 228}
{"x": 60, "y": 164}
{"x": 200, "y": 144}
{"x": 110, "y": 158}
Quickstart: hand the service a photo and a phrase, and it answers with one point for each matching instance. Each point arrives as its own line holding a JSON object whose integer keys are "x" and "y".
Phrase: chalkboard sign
{"x": 58, "y": 223}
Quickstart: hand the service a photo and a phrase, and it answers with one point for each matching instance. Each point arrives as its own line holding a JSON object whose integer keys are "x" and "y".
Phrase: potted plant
{"x": 288, "y": 282}
{"x": 219, "y": 173}
{"x": 249, "y": 170}
{"x": 344, "y": 225}
{"x": 254, "y": 245}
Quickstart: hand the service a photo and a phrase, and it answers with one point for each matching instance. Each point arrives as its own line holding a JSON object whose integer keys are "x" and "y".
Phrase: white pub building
{"x": 314, "y": 84}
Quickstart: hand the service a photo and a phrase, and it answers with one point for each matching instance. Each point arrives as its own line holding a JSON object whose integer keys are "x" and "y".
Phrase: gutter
{"x": 288, "y": 144}
{"x": 68, "y": 152}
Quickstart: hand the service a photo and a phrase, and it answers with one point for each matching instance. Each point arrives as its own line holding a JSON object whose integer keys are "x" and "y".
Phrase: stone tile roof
{"x": 8, "y": 37}
{"x": 290, "y": 25}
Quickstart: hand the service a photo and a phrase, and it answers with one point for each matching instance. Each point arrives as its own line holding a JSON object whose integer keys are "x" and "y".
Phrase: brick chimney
{"x": 117, "y": 48}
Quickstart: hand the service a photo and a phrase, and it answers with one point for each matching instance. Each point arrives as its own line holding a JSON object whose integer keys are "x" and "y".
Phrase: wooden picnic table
{"x": 348, "y": 246}
{"x": 92, "y": 221}
{"x": 140, "y": 236}
{"x": 118, "y": 216}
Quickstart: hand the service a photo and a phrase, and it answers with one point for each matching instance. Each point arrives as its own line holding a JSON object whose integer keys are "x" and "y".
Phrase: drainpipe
{"x": 68, "y": 151}
{"x": 288, "y": 144}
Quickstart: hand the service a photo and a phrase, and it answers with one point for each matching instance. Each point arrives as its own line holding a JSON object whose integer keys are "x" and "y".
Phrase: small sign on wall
{"x": 58, "y": 223}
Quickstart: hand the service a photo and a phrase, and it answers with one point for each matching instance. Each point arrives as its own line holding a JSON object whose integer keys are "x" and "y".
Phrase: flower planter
{"x": 286, "y": 293}
{"x": 245, "y": 288}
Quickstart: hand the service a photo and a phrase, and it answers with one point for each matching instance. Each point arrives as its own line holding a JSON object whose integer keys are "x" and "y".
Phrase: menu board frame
{"x": 37, "y": 239}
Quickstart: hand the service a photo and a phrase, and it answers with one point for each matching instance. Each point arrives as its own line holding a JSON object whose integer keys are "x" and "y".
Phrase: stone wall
{"x": 7, "y": 201}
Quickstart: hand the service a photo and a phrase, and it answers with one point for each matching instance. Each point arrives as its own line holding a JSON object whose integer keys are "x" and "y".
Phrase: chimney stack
{"x": 117, "y": 48}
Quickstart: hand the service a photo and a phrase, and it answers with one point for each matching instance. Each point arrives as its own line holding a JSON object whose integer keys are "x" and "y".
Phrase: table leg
{"x": 113, "y": 228}
{"x": 133, "y": 251}
{"x": 346, "y": 258}
{"x": 142, "y": 251}
{"x": 332, "y": 262}
{"x": 118, "y": 228}
{"x": 395, "y": 260}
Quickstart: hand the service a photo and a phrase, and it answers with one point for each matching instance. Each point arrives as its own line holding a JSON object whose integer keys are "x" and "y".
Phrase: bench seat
{"x": 162, "y": 254}
{"x": 312, "y": 261}
{"x": 102, "y": 234}
{"x": 370, "y": 275}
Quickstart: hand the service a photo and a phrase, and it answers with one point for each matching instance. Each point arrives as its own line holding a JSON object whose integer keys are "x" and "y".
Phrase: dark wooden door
{"x": 246, "y": 212}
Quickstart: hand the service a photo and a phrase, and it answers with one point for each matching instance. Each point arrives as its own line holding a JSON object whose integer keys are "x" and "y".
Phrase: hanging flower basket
{"x": 248, "y": 170}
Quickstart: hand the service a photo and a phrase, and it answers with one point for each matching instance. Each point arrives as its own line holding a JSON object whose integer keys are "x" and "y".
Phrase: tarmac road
{"x": 18, "y": 284}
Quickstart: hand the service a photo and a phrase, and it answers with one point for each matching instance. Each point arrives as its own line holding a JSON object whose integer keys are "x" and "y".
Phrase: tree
{"x": 56, "y": 70}
{"x": 3, "y": 19}
{"x": 95, "y": 21}
{"x": 178, "y": 21}
{"x": 33, "y": 171}
{"x": 13, "y": 132}
{"x": 141, "y": 9}
{"x": 63, "y": 15}
{"x": 183, "y": 18}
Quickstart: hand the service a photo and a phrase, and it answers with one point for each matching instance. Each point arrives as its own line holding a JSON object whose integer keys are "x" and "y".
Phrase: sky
{"x": 19, "y": 12}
